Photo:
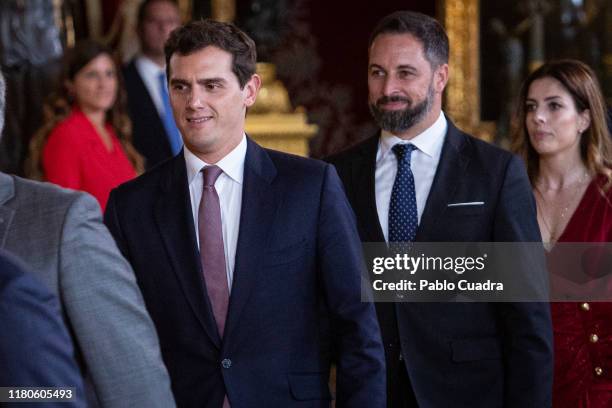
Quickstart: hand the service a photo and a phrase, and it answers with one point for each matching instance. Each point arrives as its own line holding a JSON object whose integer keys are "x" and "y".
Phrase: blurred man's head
{"x": 212, "y": 81}
{"x": 156, "y": 20}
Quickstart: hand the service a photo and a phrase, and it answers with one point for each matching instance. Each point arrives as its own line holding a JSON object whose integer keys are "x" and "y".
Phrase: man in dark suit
{"x": 422, "y": 179}
{"x": 249, "y": 319}
{"x": 154, "y": 131}
{"x": 60, "y": 236}
{"x": 35, "y": 349}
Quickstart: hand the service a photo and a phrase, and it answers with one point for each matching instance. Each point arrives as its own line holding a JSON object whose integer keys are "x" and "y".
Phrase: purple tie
{"x": 212, "y": 254}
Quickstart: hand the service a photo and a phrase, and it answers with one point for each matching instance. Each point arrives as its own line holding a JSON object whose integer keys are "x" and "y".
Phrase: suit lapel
{"x": 259, "y": 204}
{"x": 363, "y": 170}
{"x": 452, "y": 165}
{"x": 7, "y": 192}
{"x": 175, "y": 221}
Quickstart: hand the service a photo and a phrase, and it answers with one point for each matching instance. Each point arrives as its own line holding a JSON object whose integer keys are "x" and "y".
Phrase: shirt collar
{"x": 148, "y": 67}
{"x": 429, "y": 141}
{"x": 232, "y": 164}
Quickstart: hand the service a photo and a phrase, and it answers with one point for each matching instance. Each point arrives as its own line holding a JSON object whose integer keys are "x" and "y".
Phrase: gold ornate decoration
{"x": 270, "y": 120}
{"x": 287, "y": 132}
{"x": 57, "y": 13}
{"x": 185, "y": 9}
{"x": 462, "y": 103}
{"x": 273, "y": 96}
{"x": 223, "y": 10}
{"x": 64, "y": 22}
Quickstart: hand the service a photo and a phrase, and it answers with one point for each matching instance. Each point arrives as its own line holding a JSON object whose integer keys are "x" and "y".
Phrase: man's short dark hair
{"x": 197, "y": 35}
{"x": 423, "y": 27}
{"x": 142, "y": 9}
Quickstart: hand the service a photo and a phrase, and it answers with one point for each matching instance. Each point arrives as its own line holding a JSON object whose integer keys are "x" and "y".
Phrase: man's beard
{"x": 399, "y": 121}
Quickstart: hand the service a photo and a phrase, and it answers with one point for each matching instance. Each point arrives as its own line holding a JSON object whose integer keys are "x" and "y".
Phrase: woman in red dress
{"x": 85, "y": 142}
{"x": 561, "y": 133}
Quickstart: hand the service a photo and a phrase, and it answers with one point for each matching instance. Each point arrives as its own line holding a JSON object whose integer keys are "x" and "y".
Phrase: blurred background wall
{"x": 319, "y": 49}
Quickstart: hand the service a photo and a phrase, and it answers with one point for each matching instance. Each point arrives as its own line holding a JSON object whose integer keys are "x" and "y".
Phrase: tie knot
{"x": 211, "y": 174}
{"x": 403, "y": 151}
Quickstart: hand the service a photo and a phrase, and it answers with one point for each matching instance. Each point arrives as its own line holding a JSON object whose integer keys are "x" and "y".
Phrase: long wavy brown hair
{"x": 595, "y": 144}
{"x": 59, "y": 105}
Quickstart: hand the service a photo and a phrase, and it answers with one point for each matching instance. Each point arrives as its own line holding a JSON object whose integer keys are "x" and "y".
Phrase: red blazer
{"x": 75, "y": 157}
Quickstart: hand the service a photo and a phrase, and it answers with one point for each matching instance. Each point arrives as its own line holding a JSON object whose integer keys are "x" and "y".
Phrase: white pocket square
{"x": 466, "y": 204}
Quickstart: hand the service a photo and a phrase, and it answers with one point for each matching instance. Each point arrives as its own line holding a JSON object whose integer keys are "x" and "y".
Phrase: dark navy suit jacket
{"x": 463, "y": 354}
{"x": 296, "y": 288}
{"x": 148, "y": 131}
{"x": 35, "y": 349}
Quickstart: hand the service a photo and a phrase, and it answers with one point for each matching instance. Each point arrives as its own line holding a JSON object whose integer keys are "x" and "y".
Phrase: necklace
{"x": 554, "y": 212}
{"x": 578, "y": 182}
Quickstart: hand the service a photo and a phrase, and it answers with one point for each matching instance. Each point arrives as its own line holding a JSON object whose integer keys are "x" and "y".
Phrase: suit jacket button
{"x": 585, "y": 306}
{"x": 226, "y": 363}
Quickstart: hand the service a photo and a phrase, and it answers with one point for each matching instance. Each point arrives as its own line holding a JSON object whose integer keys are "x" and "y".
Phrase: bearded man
{"x": 423, "y": 180}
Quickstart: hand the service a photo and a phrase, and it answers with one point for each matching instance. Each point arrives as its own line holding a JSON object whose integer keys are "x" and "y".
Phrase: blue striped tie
{"x": 174, "y": 137}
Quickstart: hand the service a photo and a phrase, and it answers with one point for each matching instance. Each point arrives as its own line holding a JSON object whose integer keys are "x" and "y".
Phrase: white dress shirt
{"x": 424, "y": 162}
{"x": 229, "y": 189}
{"x": 149, "y": 72}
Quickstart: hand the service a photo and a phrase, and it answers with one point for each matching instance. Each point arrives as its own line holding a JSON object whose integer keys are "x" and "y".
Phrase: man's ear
{"x": 440, "y": 78}
{"x": 251, "y": 88}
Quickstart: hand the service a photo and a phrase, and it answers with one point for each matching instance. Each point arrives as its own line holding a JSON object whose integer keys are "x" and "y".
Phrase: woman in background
{"x": 561, "y": 133}
{"x": 85, "y": 142}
